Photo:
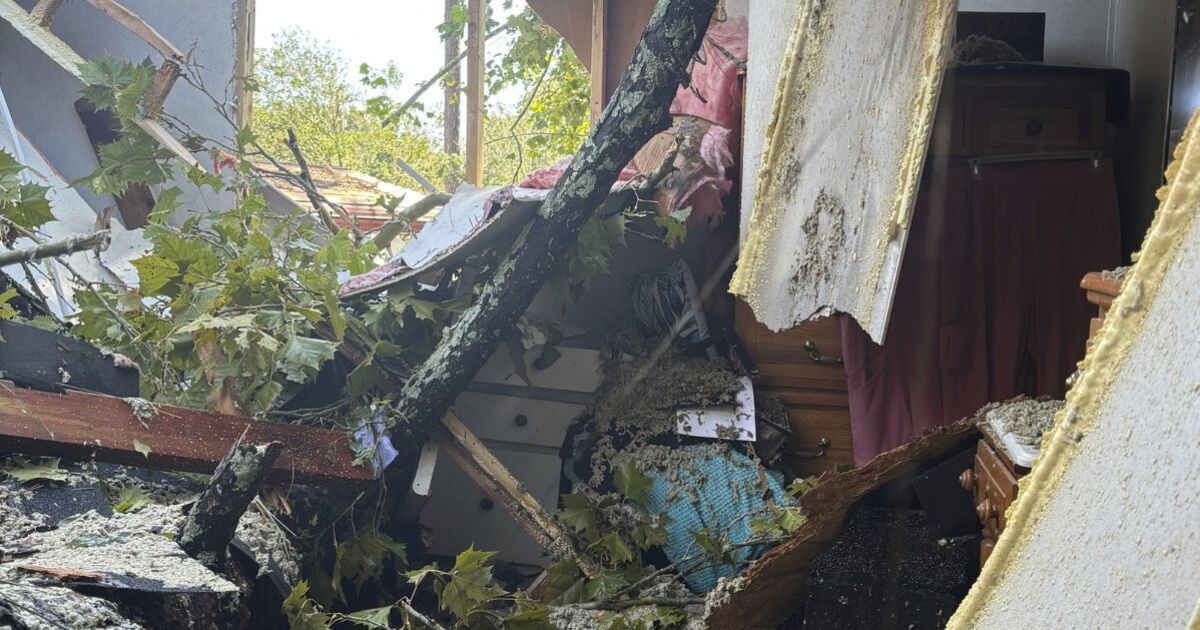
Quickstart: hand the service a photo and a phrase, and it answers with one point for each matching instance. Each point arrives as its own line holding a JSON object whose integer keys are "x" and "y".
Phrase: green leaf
{"x": 579, "y": 514}
{"x": 536, "y": 618}
{"x": 372, "y": 617}
{"x": 631, "y": 483}
{"x": 46, "y": 469}
{"x": 154, "y": 273}
{"x": 648, "y": 536}
{"x": 166, "y": 205}
{"x": 131, "y": 499}
{"x": 142, "y": 448}
{"x": 676, "y": 230}
{"x": 617, "y": 550}
{"x": 468, "y": 587}
{"x": 302, "y": 613}
{"x": 362, "y": 558}
{"x": 305, "y": 356}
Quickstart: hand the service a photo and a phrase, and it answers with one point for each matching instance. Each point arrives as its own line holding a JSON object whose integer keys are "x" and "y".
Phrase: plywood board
{"x": 1104, "y": 530}
{"x": 850, "y": 123}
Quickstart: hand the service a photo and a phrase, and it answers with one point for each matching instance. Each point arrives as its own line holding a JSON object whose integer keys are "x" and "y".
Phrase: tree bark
{"x": 637, "y": 111}
{"x": 61, "y": 247}
{"x": 214, "y": 517}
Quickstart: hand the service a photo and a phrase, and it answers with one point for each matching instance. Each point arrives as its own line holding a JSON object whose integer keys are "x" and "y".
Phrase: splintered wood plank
{"x": 775, "y": 585}
{"x": 69, "y": 60}
{"x": 78, "y": 424}
{"x": 136, "y": 25}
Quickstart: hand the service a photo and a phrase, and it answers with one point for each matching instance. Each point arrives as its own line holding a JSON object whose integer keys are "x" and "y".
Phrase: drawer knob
{"x": 486, "y": 504}
{"x": 823, "y": 445}
{"x": 986, "y": 510}
{"x": 967, "y": 479}
{"x": 521, "y": 420}
{"x": 1034, "y": 128}
{"x": 814, "y": 353}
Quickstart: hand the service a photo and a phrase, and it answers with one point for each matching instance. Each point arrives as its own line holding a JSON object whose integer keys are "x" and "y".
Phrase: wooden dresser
{"x": 992, "y": 482}
{"x": 1015, "y": 109}
{"x": 802, "y": 367}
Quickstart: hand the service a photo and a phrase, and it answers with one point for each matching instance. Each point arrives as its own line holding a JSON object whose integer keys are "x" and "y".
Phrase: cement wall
{"x": 41, "y": 95}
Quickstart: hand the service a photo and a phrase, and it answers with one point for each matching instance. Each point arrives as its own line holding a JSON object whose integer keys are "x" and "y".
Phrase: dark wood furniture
{"x": 1102, "y": 288}
{"x": 992, "y": 482}
{"x": 802, "y": 367}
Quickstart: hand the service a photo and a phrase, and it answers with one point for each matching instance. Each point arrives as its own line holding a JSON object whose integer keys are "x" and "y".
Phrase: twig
{"x": 326, "y": 218}
{"x": 512, "y": 129}
{"x": 60, "y": 247}
{"x": 450, "y": 65}
{"x": 392, "y": 228}
{"x": 417, "y": 177}
{"x": 415, "y": 614}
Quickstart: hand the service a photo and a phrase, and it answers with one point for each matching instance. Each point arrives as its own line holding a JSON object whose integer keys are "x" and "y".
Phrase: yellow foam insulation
{"x": 1105, "y": 532}
{"x": 853, "y": 110}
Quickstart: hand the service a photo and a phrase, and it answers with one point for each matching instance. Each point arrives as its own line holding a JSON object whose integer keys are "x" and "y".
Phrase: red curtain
{"x": 988, "y": 303}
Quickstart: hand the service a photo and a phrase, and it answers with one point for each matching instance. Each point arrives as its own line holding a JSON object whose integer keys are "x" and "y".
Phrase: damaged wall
{"x": 41, "y": 95}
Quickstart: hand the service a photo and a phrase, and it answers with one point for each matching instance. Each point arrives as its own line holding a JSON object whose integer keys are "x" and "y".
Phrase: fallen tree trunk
{"x": 638, "y": 110}
{"x": 214, "y": 517}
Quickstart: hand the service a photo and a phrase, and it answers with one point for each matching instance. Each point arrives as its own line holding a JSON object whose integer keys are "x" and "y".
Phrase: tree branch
{"x": 214, "y": 517}
{"x": 61, "y": 247}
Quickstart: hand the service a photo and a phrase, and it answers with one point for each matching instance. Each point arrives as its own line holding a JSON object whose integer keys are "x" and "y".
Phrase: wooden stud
{"x": 243, "y": 63}
{"x": 78, "y": 424}
{"x": 456, "y": 440}
{"x": 136, "y": 25}
{"x": 476, "y": 16}
{"x": 599, "y": 50}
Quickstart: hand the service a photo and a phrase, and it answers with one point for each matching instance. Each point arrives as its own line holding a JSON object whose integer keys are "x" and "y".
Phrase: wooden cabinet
{"x": 992, "y": 482}
{"x": 1021, "y": 108}
{"x": 802, "y": 367}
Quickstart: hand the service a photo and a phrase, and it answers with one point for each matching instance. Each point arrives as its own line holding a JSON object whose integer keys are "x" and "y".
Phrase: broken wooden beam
{"x": 135, "y": 432}
{"x": 136, "y": 25}
{"x": 457, "y": 441}
{"x": 775, "y": 586}
{"x": 214, "y": 517}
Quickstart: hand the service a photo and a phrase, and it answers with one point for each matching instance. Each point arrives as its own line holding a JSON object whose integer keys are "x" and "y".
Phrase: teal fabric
{"x": 716, "y": 492}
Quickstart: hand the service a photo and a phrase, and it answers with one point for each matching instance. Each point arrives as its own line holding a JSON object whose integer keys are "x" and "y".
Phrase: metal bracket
{"x": 814, "y": 353}
{"x": 823, "y": 445}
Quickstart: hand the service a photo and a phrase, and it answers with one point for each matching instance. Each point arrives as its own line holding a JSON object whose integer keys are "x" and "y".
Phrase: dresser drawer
{"x": 788, "y": 359}
{"x": 1024, "y": 129}
{"x": 811, "y": 428}
{"x": 995, "y": 488}
{"x": 460, "y": 514}
{"x": 521, "y": 420}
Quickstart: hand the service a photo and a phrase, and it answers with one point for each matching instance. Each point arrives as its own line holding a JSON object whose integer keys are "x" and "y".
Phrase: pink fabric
{"x": 716, "y": 79}
{"x": 545, "y": 178}
{"x": 988, "y": 303}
